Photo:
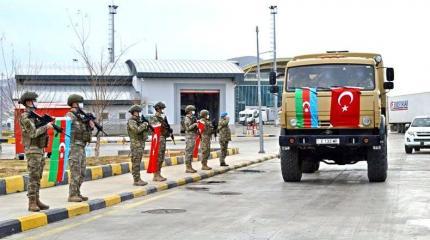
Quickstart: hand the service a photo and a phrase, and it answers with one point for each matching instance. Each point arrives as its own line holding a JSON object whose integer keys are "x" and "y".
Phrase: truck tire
{"x": 310, "y": 165}
{"x": 291, "y": 165}
{"x": 417, "y": 149}
{"x": 377, "y": 163}
{"x": 408, "y": 150}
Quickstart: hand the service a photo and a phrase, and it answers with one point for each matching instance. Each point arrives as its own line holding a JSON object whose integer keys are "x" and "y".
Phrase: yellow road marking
{"x": 91, "y": 219}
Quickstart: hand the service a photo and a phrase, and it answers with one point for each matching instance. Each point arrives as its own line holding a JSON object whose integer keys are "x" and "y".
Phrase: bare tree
{"x": 101, "y": 73}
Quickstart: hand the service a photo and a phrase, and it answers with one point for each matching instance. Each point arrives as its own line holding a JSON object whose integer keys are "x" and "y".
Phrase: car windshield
{"x": 421, "y": 122}
{"x": 327, "y": 76}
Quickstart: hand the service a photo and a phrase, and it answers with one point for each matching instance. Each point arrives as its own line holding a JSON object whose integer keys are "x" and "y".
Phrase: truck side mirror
{"x": 274, "y": 89}
{"x": 272, "y": 78}
{"x": 388, "y": 85}
{"x": 390, "y": 74}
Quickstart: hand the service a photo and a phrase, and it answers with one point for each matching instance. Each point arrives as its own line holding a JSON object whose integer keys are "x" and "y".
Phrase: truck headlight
{"x": 366, "y": 121}
{"x": 293, "y": 122}
{"x": 410, "y": 133}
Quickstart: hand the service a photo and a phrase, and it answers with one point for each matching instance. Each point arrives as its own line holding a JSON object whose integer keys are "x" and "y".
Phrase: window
{"x": 327, "y": 76}
{"x": 122, "y": 116}
{"x": 105, "y": 116}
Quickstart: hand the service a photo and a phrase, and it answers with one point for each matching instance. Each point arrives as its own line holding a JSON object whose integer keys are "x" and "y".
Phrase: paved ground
{"x": 335, "y": 203}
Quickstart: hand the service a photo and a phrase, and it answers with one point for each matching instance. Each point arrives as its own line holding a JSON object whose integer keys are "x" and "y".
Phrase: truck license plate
{"x": 328, "y": 141}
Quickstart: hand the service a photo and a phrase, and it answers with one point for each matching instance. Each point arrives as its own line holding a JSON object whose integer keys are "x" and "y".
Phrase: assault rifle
{"x": 170, "y": 130}
{"x": 215, "y": 127}
{"x": 87, "y": 117}
{"x": 143, "y": 119}
{"x": 194, "y": 119}
{"x": 45, "y": 119}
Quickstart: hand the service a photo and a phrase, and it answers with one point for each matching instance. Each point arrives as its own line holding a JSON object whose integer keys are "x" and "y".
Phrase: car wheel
{"x": 408, "y": 150}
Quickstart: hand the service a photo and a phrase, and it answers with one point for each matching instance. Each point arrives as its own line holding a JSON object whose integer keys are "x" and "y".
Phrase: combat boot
{"x": 223, "y": 164}
{"x": 40, "y": 204}
{"x": 74, "y": 199}
{"x": 205, "y": 166}
{"x": 140, "y": 182}
{"x": 32, "y": 204}
{"x": 158, "y": 177}
{"x": 190, "y": 169}
{"x": 83, "y": 197}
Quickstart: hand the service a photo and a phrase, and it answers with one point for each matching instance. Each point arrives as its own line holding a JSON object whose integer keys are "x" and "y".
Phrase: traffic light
{"x": 272, "y": 78}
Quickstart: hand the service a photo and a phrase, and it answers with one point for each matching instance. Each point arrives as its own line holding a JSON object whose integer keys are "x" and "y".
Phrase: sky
{"x": 41, "y": 31}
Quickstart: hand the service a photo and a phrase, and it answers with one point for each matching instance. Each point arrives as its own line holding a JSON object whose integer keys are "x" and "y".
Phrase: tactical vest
{"x": 32, "y": 145}
{"x": 80, "y": 134}
{"x": 134, "y": 135}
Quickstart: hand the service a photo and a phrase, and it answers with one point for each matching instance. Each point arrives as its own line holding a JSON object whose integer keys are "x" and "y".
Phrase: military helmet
{"x": 135, "y": 108}
{"x": 190, "y": 108}
{"x": 27, "y": 96}
{"x": 74, "y": 98}
{"x": 204, "y": 113}
{"x": 159, "y": 105}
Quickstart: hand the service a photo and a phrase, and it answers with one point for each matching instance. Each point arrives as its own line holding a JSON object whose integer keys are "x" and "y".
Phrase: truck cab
{"x": 311, "y": 84}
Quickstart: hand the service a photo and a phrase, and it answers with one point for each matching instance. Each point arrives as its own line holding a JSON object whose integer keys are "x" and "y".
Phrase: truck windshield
{"x": 421, "y": 122}
{"x": 327, "y": 76}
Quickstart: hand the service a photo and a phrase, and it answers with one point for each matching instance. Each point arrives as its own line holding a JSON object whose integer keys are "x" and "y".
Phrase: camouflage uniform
{"x": 206, "y": 140}
{"x": 138, "y": 132}
{"x": 34, "y": 141}
{"x": 80, "y": 137}
{"x": 155, "y": 120}
{"x": 224, "y": 138}
{"x": 190, "y": 137}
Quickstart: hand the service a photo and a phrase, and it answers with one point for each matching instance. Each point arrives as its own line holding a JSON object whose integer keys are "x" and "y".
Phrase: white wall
{"x": 154, "y": 90}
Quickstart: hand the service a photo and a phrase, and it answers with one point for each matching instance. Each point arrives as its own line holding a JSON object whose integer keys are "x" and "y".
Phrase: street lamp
{"x": 260, "y": 119}
{"x": 274, "y": 11}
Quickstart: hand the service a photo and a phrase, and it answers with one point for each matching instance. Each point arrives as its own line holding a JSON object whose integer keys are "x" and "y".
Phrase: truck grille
{"x": 324, "y": 123}
{"x": 423, "y": 134}
{"x": 422, "y": 140}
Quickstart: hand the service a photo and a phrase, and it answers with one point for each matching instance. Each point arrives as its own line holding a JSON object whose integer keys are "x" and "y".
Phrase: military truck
{"x": 334, "y": 108}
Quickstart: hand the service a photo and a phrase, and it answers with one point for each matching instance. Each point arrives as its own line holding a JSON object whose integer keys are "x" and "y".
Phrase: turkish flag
{"x": 201, "y": 128}
{"x": 345, "y": 107}
{"x": 155, "y": 145}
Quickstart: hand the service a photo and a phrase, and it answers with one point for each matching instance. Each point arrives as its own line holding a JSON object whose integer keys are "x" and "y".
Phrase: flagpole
{"x": 260, "y": 120}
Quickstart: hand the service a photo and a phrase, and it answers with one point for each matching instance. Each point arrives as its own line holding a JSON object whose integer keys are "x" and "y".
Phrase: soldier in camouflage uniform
{"x": 206, "y": 138}
{"x": 34, "y": 140}
{"x": 80, "y": 137}
{"x": 159, "y": 119}
{"x": 224, "y": 137}
{"x": 191, "y": 129}
{"x": 138, "y": 133}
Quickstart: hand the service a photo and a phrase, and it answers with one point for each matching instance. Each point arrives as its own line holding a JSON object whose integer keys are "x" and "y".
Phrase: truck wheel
{"x": 291, "y": 165}
{"x": 377, "y": 164}
{"x": 408, "y": 150}
{"x": 310, "y": 165}
{"x": 417, "y": 149}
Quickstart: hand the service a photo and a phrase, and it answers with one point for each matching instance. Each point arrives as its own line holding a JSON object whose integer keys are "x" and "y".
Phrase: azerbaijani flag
{"x": 306, "y": 108}
{"x": 60, "y": 150}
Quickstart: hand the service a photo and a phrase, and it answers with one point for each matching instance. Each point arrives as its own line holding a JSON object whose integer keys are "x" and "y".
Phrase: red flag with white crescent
{"x": 155, "y": 145}
{"x": 345, "y": 107}
{"x": 201, "y": 128}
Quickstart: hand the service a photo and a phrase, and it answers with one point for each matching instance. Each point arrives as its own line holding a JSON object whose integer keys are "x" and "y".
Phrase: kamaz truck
{"x": 334, "y": 108}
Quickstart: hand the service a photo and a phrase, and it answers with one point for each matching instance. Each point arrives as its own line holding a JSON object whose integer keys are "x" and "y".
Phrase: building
{"x": 177, "y": 83}
{"x": 246, "y": 91}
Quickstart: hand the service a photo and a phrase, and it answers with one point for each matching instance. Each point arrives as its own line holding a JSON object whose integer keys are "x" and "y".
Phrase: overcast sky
{"x": 222, "y": 29}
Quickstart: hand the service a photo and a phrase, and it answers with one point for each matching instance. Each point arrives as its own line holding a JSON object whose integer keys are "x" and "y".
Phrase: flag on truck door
{"x": 345, "y": 107}
{"x": 306, "y": 108}
{"x": 200, "y": 129}
{"x": 60, "y": 150}
{"x": 155, "y": 146}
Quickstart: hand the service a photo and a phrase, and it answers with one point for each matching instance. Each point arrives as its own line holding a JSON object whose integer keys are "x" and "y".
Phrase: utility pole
{"x": 112, "y": 12}
{"x": 260, "y": 119}
{"x": 274, "y": 11}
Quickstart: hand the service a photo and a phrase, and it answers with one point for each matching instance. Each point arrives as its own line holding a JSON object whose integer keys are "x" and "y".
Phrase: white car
{"x": 418, "y": 134}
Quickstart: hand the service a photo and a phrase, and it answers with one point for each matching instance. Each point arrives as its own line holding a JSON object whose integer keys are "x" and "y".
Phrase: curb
{"x": 18, "y": 183}
{"x": 35, "y": 220}
{"x": 7, "y": 140}
{"x": 264, "y": 135}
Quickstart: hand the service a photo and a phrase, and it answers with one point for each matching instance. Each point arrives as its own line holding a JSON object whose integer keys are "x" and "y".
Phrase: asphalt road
{"x": 337, "y": 202}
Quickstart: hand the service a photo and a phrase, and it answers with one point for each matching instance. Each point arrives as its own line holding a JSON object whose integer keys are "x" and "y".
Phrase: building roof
{"x": 184, "y": 68}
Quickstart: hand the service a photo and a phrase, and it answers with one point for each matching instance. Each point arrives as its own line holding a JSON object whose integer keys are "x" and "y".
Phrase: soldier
{"x": 206, "y": 138}
{"x": 224, "y": 137}
{"x": 80, "y": 137}
{"x": 191, "y": 129}
{"x": 34, "y": 140}
{"x": 138, "y": 133}
{"x": 160, "y": 118}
